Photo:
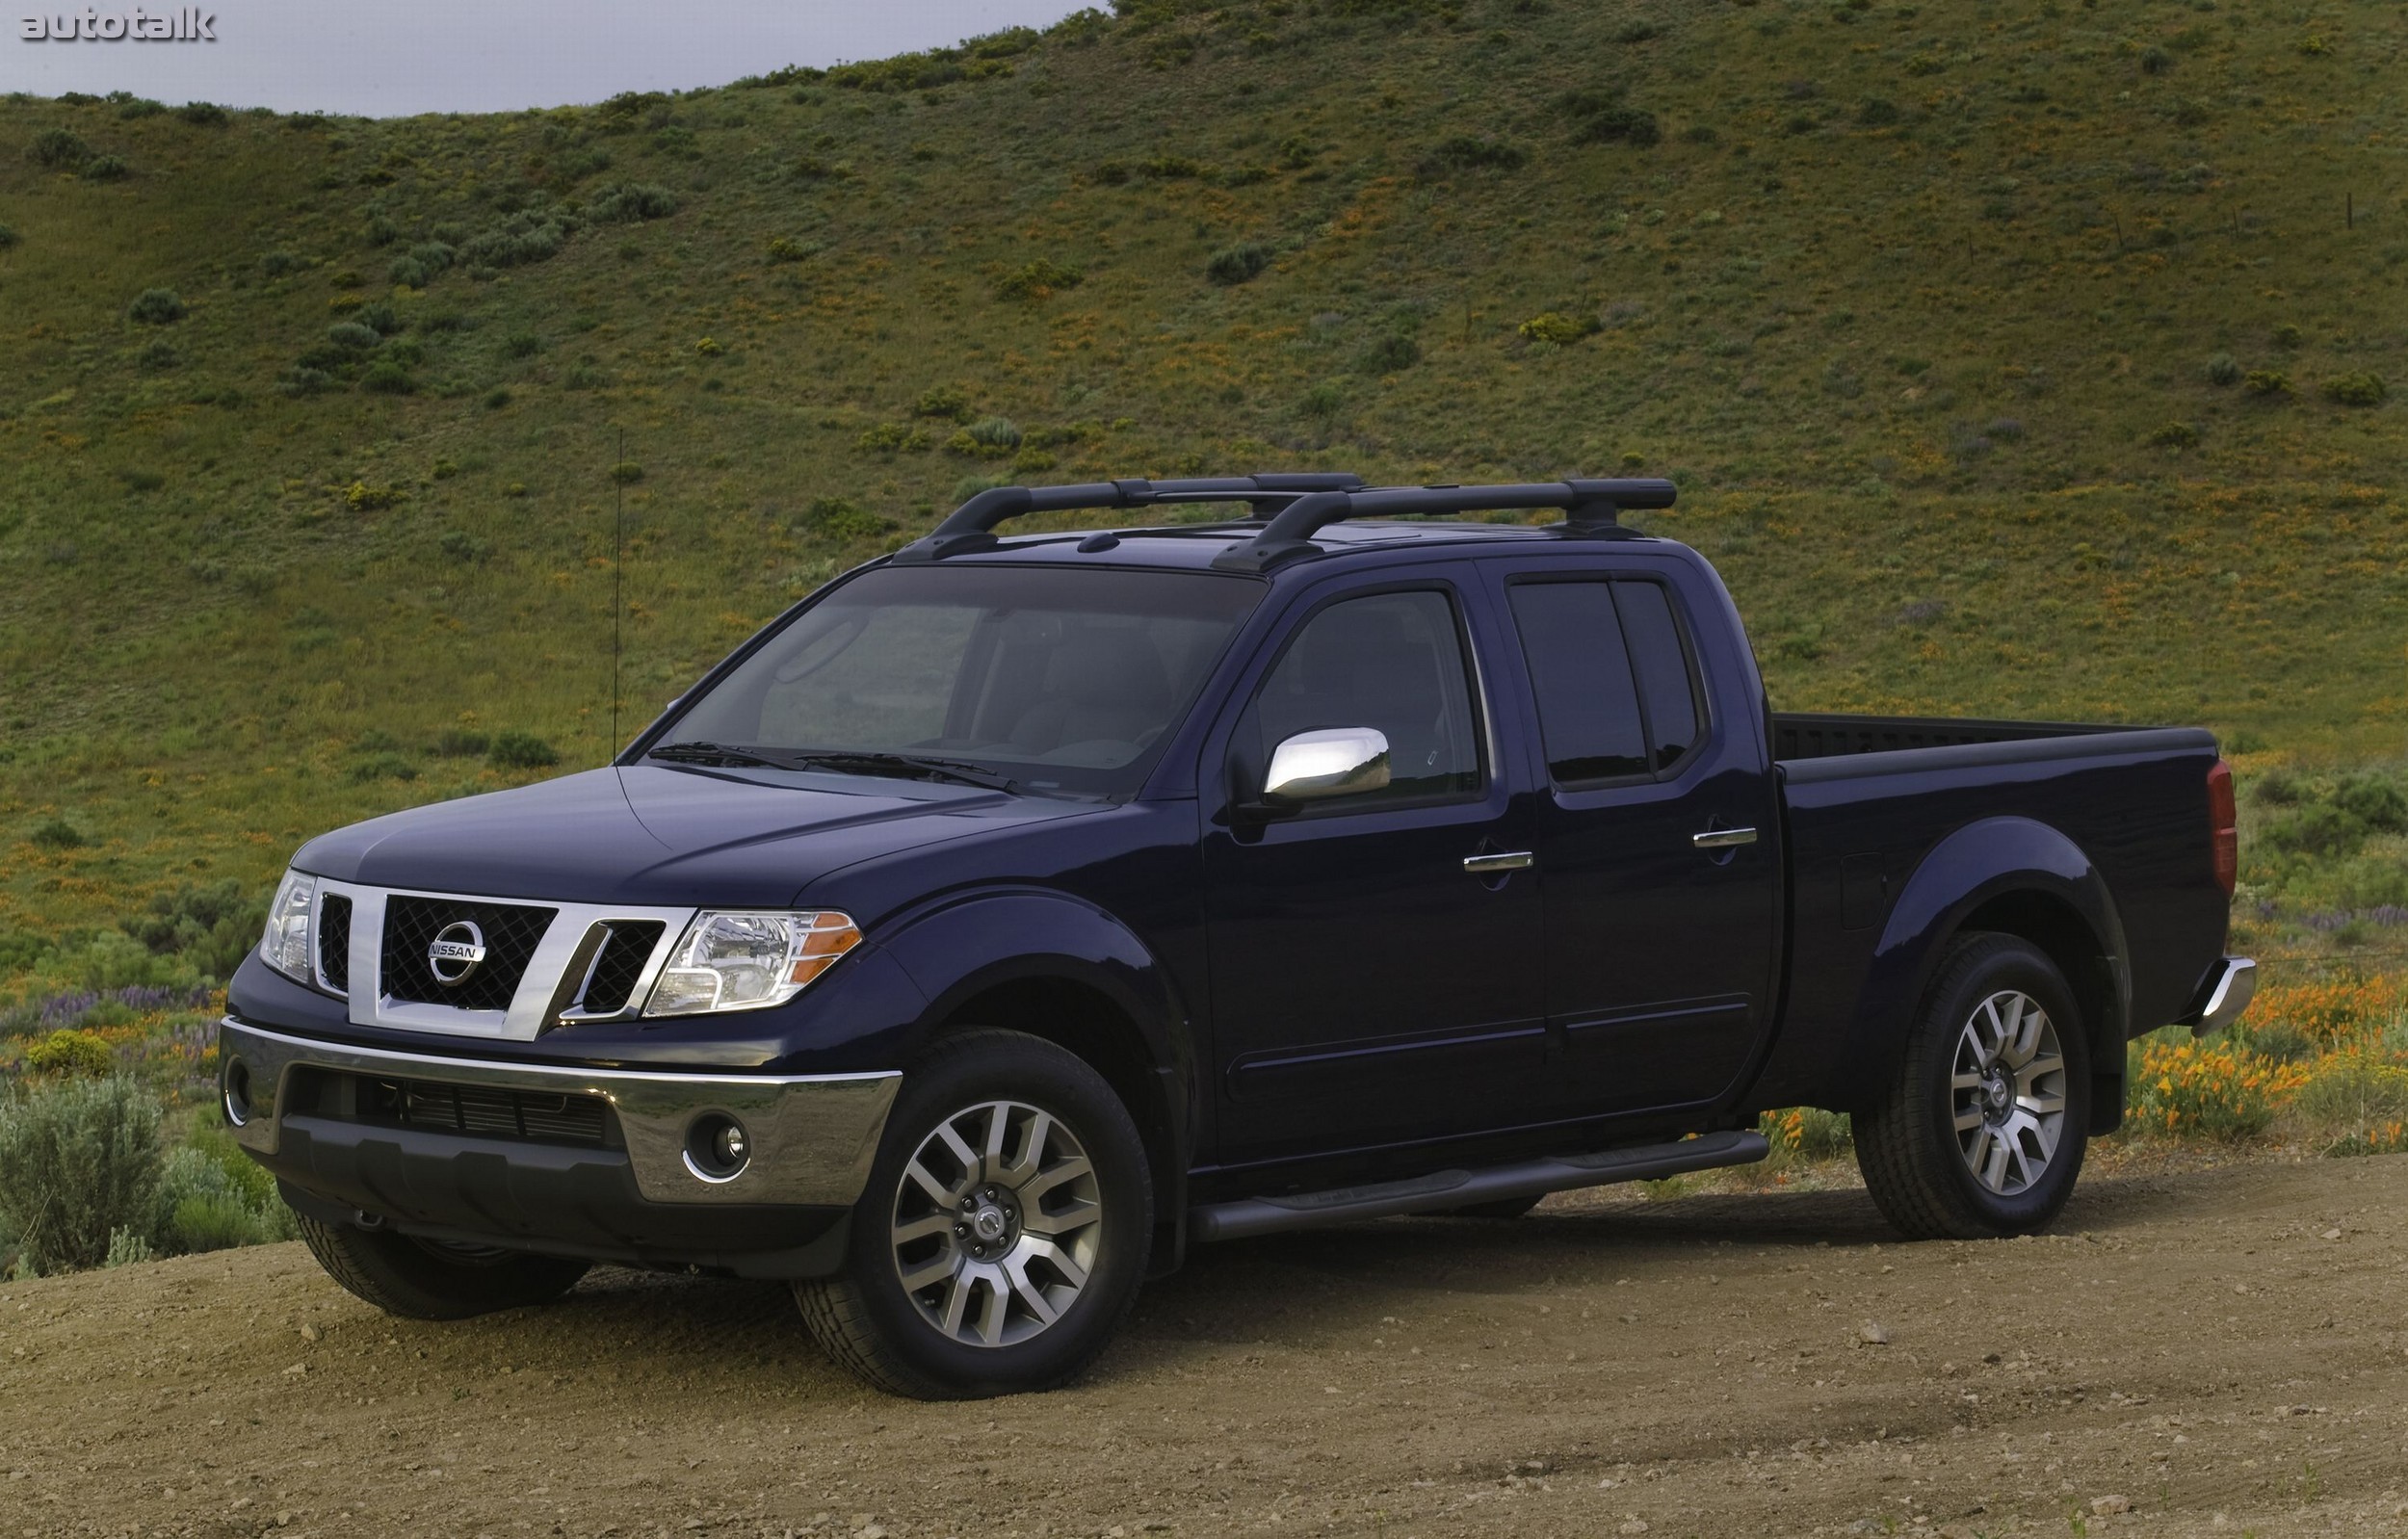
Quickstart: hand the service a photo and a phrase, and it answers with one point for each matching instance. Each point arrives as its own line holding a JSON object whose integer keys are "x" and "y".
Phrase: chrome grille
{"x": 511, "y": 932}
{"x": 620, "y": 966}
{"x": 335, "y": 942}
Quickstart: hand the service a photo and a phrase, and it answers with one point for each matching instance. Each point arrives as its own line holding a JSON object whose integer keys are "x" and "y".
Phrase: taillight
{"x": 2223, "y": 832}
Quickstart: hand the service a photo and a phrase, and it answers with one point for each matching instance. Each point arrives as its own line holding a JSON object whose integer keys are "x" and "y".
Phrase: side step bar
{"x": 1460, "y": 1188}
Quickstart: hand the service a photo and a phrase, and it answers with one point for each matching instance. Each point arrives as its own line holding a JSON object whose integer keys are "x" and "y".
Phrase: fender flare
{"x": 966, "y": 944}
{"x": 2015, "y": 859}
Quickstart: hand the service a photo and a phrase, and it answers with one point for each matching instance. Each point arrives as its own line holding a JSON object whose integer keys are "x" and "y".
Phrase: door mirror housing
{"x": 1332, "y": 762}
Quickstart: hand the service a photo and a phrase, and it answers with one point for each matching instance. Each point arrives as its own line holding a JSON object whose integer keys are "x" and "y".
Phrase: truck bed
{"x": 1812, "y": 735}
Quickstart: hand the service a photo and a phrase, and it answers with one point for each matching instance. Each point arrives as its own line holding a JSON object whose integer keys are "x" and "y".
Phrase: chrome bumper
{"x": 812, "y": 1137}
{"x": 2226, "y": 993}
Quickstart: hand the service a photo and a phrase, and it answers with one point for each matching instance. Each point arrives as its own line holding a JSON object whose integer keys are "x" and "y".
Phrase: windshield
{"x": 1059, "y": 679}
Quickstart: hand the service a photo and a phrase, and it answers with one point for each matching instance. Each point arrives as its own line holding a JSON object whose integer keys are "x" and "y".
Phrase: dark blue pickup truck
{"x": 1016, "y": 911}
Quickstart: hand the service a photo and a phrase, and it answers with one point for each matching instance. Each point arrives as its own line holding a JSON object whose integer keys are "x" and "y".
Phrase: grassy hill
{"x": 2020, "y": 357}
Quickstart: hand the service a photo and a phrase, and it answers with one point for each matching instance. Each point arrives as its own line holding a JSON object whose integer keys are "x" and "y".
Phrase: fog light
{"x": 717, "y": 1147}
{"x": 237, "y": 1092}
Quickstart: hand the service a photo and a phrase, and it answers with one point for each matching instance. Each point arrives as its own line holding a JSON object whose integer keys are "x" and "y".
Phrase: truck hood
{"x": 658, "y": 836}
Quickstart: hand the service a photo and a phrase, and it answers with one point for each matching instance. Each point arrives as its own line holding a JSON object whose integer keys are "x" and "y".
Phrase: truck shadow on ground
{"x": 1289, "y": 1290}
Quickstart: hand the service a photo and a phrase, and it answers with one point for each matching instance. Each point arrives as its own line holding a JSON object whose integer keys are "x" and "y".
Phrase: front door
{"x": 1656, "y": 838}
{"x": 1366, "y": 986}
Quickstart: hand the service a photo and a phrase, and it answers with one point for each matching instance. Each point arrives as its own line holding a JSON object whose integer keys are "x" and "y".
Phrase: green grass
{"x": 1907, "y": 297}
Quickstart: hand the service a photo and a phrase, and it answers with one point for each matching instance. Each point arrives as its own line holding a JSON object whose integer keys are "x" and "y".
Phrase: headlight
{"x": 743, "y": 962}
{"x": 285, "y": 947}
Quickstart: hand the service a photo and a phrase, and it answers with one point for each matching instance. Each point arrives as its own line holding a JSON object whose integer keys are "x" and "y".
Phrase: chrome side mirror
{"x": 1333, "y": 762}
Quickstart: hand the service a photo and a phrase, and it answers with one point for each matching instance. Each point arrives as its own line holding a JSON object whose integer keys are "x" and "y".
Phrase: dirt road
{"x": 2209, "y": 1350}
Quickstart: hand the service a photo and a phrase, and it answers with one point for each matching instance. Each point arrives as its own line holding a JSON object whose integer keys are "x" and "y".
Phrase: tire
{"x": 1059, "y": 1222}
{"x": 1501, "y": 1208}
{"x": 1982, "y": 1131}
{"x": 428, "y": 1280}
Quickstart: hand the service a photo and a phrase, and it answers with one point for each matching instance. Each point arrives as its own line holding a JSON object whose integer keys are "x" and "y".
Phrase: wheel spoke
{"x": 937, "y": 1191}
{"x": 1060, "y": 1259}
{"x": 991, "y": 1316}
{"x": 960, "y": 1150}
{"x": 930, "y": 1274}
{"x": 1994, "y": 1163}
{"x": 1964, "y": 1082}
{"x": 1968, "y": 1120}
{"x": 1031, "y": 1295}
{"x": 1032, "y": 1152}
{"x": 1045, "y": 1181}
{"x": 1063, "y": 1221}
{"x": 956, "y": 1299}
{"x": 937, "y": 1223}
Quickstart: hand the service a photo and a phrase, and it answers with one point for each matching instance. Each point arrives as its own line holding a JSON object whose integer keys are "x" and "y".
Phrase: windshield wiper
{"x": 870, "y": 762}
{"x": 719, "y": 753}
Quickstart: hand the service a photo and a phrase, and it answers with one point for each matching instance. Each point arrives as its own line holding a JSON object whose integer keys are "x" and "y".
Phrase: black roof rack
{"x": 971, "y": 526}
{"x": 1589, "y": 508}
{"x": 1300, "y": 504}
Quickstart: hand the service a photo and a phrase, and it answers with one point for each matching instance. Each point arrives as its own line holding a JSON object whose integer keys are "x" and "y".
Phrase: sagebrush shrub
{"x": 1037, "y": 280}
{"x": 59, "y": 150}
{"x": 942, "y": 400}
{"x": 2175, "y": 435}
{"x": 1243, "y": 263}
{"x": 632, "y": 203}
{"x": 518, "y": 240}
{"x": 454, "y": 743}
{"x": 2361, "y": 389}
{"x": 56, "y": 833}
{"x": 1391, "y": 354}
{"x": 107, "y": 168}
{"x": 1555, "y": 327}
{"x": 300, "y": 380}
{"x": 156, "y": 307}
{"x": 840, "y": 518}
{"x": 8, "y": 237}
{"x": 892, "y": 437}
{"x": 277, "y": 264}
{"x": 353, "y": 337}
{"x": 203, "y": 114}
{"x": 520, "y": 751}
{"x": 211, "y": 925}
{"x": 2267, "y": 383}
{"x": 78, "y": 1161}
{"x": 1462, "y": 153}
{"x": 386, "y": 377}
{"x": 1876, "y": 112}
{"x": 157, "y": 354}
{"x": 2223, "y": 370}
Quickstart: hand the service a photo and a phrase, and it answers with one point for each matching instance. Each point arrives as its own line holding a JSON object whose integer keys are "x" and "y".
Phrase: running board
{"x": 1462, "y": 1188}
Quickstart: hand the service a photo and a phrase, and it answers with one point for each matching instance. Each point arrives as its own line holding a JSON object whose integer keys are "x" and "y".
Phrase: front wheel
{"x": 1984, "y": 1125}
{"x": 1004, "y": 1230}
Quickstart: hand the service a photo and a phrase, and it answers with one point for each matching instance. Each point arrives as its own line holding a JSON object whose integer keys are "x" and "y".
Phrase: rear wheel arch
{"x": 2091, "y": 970}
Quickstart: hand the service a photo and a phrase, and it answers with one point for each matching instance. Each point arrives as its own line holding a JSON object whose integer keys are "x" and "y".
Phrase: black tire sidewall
{"x": 1990, "y": 967}
{"x": 1009, "y": 1067}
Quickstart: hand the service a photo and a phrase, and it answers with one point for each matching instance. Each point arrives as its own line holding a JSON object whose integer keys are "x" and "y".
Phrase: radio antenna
{"x": 619, "y": 609}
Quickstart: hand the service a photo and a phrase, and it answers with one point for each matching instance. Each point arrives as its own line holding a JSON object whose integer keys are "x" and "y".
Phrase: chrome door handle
{"x": 1490, "y": 865}
{"x": 1723, "y": 838}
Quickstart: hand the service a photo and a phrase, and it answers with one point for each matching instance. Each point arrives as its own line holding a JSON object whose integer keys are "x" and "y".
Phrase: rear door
{"x": 1653, "y": 832}
{"x": 1366, "y": 986}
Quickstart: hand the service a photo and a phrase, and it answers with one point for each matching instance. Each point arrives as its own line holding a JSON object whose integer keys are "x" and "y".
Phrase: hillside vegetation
{"x": 2015, "y": 357}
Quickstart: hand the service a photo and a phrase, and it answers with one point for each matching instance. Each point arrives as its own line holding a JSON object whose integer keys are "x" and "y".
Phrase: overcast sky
{"x": 380, "y": 58}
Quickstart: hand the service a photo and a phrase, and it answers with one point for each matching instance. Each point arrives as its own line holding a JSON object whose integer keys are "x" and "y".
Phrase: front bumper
{"x": 619, "y": 1184}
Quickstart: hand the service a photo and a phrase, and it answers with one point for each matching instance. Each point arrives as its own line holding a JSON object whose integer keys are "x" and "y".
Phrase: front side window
{"x": 1390, "y": 662}
{"x": 1059, "y": 679}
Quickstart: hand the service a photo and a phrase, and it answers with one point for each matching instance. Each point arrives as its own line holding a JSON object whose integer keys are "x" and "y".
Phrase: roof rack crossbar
{"x": 972, "y": 526}
{"x": 1589, "y": 506}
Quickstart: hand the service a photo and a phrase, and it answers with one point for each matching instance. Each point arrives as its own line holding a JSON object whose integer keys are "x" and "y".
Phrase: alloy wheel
{"x": 996, "y": 1224}
{"x": 2006, "y": 1092}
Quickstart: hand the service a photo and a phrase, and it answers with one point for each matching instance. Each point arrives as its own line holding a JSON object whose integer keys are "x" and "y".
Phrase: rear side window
{"x": 1587, "y": 704}
{"x": 1611, "y": 670}
{"x": 1661, "y": 658}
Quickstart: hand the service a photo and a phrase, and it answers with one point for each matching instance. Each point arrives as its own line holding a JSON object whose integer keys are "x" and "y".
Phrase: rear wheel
{"x": 1003, "y": 1231}
{"x": 1984, "y": 1127}
{"x": 431, "y": 1279}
